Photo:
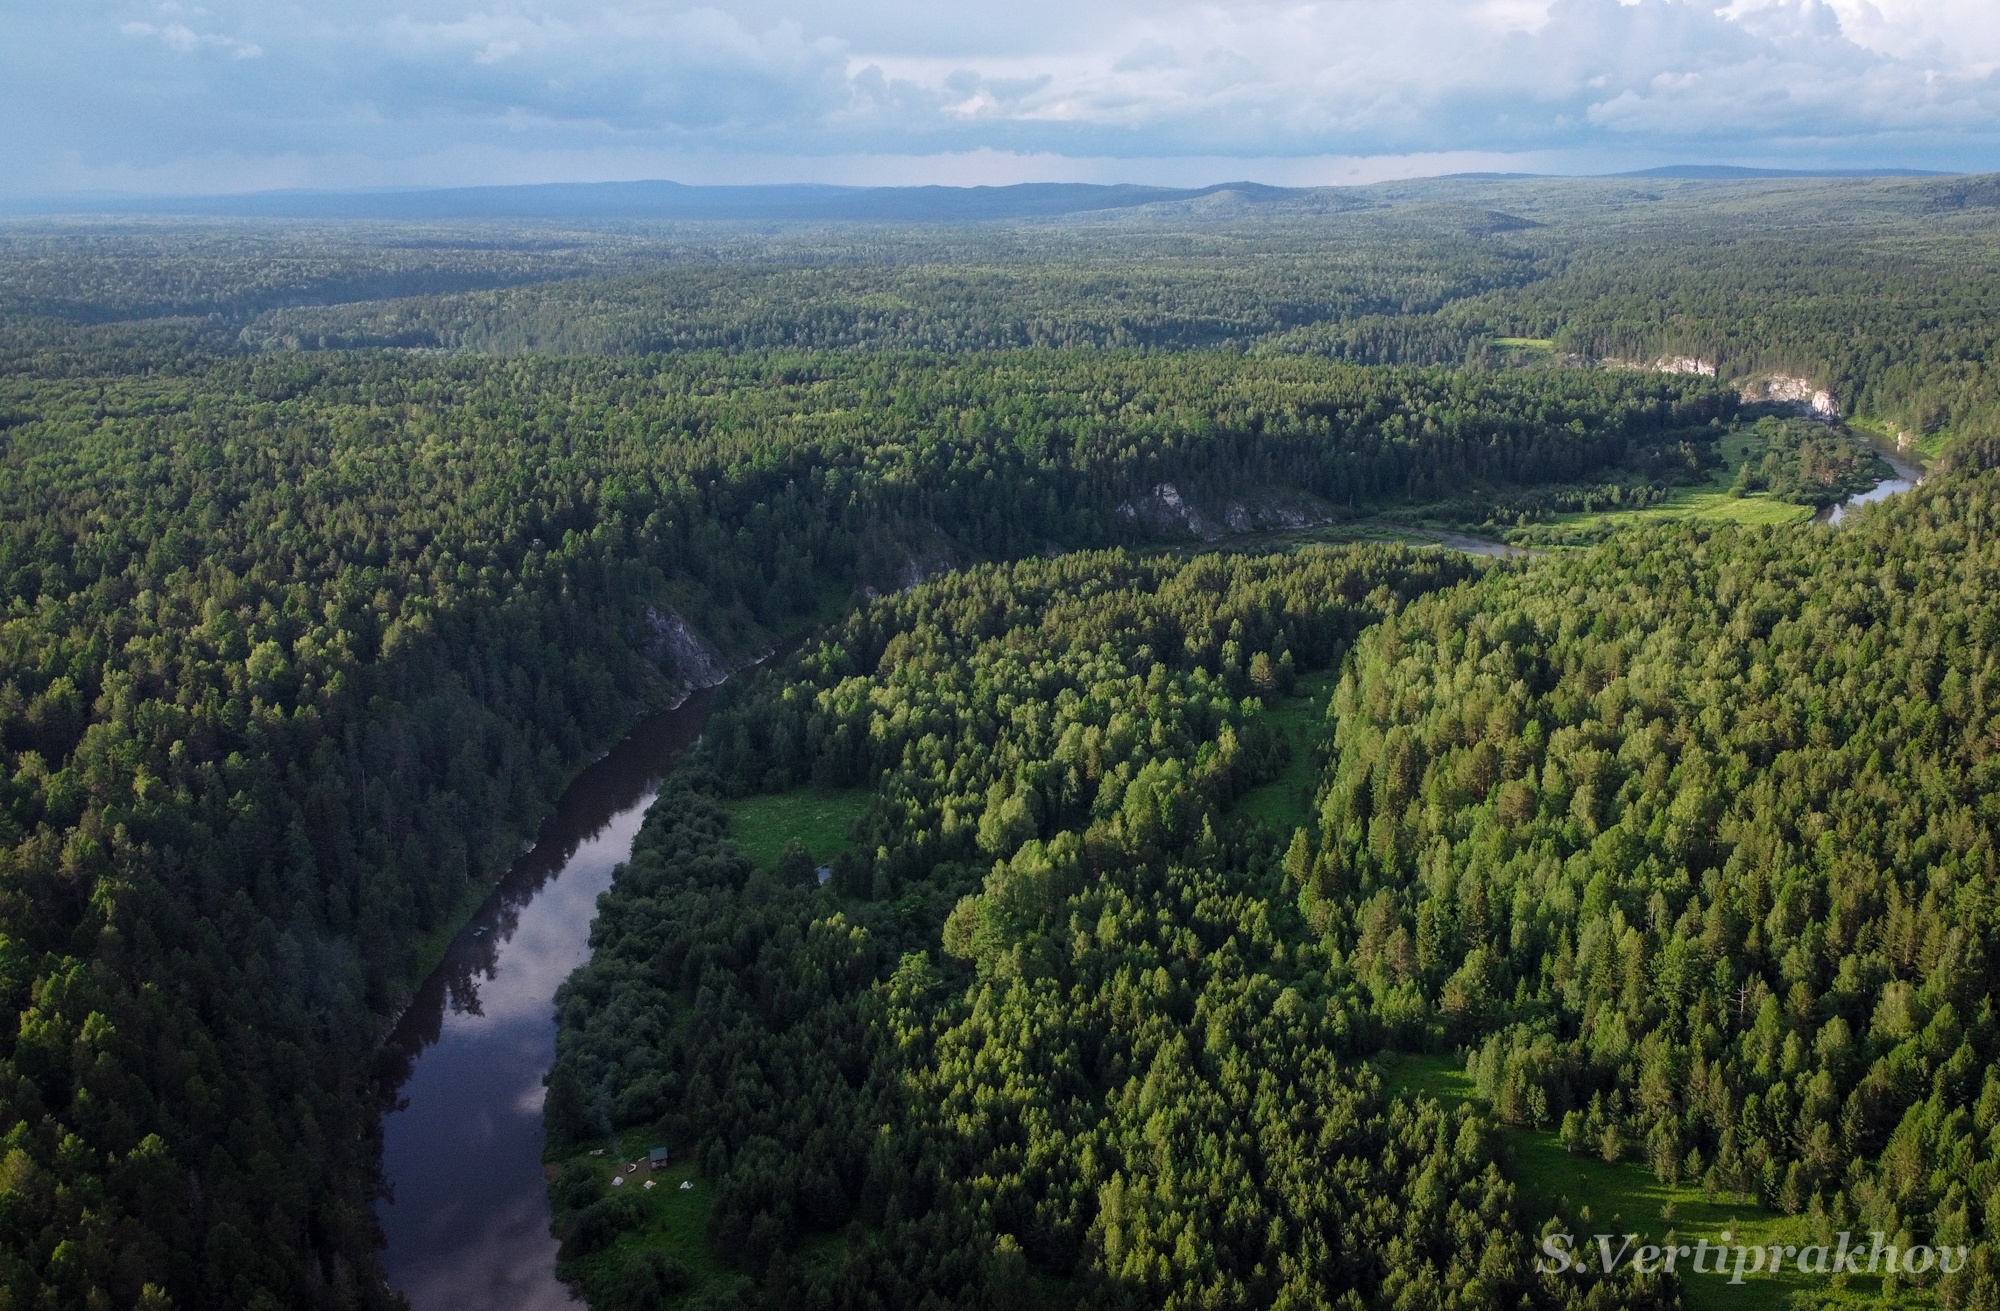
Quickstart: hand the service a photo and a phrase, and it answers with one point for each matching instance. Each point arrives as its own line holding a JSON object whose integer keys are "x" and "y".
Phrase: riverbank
{"x": 465, "y": 1213}
{"x": 1908, "y": 475}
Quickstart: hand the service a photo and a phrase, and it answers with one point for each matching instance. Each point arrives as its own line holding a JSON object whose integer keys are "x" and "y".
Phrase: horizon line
{"x": 1670, "y": 172}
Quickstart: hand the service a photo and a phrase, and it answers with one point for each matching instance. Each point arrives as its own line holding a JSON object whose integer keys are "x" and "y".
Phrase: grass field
{"x": 1526, "y": 343}
{"x": 818, "y": 818}
{"x": 833, "y": 597}
{"x": 1285, "y": 803}
{"x": 1710, "y": 500}
{"x": 1710, "y": 503}
{"x": 1626, "y": 1198}
{"x": 676, "y": 1219}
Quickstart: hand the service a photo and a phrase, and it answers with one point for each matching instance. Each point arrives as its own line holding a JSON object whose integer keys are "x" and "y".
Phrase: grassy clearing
{"x": 1933, "y": 446}
{"x": 832, "y": 599}
{"x": 676, "y": 1219}
{"x": 1526, "y": 343}
{"x": 1716, "y": 505}
{"x": 818, "y": 818}
{"x": 1711, "y": 501}
{"x": 1436, "y": 1077}
{"x": 1285, "y": 803}
{"x": 1625, "y": 1197}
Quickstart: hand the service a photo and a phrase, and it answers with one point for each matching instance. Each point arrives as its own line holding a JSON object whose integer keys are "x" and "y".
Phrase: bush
{"x": 598, "y": 1225}
{"x": 577, "y": 1187}
{"x": 647, "y": 1280}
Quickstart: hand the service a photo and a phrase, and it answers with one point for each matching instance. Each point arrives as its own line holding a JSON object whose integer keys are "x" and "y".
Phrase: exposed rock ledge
{"x": 1789, "y": 389}
{"x": 1665, "y": 364}
{"x": 676, "y": 645}
{"x": 1166, "y": 511}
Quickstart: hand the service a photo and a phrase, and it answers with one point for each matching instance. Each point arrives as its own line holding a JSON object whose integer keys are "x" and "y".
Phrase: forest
{"x": 1684, "y": 843}
{"x": 330, "y": 552}
{"x": 1876, "y": 290}
{"x": 297, "y": 648}
{"x": 1062, "y": 1025}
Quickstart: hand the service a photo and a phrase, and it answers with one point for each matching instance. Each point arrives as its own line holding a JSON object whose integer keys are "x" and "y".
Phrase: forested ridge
{"x": 1058, "y": 1037}
{"x": 1887, "y": 308}
{"x": 1872, "y": 290}
{"x": 296, "y": 648}
{"x": 122, "y": 270}
{"x": 1899, "y": 328}
{"x": 1691, "y": 839}
{"x": 1684, "y": 842}
{"x": 1195, "y": 291}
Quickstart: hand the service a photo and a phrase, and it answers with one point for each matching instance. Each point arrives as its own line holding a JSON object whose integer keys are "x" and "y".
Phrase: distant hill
{"x": 674, "y": 200}
{"x": 1729, "y": 172}
{"x": 663, "y": 200}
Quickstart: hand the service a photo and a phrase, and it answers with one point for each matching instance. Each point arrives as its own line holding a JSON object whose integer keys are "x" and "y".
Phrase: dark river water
{"x": 467, "y": 1219}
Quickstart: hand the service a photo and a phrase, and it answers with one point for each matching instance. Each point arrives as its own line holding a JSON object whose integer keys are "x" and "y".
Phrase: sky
{"x": 173, "y": 96}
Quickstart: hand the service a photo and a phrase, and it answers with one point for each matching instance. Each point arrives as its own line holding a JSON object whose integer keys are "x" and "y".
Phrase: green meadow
{"x": 674, "y": 1219}
{"x": 765, "y": 823}
{"x": 1285, "y": 802}
{"x": 1597, "y": 1196}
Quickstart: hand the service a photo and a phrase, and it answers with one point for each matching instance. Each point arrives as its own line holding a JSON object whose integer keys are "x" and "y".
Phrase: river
{"x": 1907, "y": 476}
{"x": 467, "y": 1216}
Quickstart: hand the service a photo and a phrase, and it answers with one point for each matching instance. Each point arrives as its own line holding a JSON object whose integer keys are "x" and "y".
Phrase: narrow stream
{"x": 467, "y": 1219}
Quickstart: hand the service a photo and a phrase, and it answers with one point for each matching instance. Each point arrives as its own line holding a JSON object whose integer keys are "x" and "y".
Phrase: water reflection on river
{"x": 467, "y": 1223}
{"x": 1907, "y": 476}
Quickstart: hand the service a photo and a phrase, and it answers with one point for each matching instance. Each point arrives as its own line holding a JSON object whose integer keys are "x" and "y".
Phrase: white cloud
{"x": 1847, "y": 81}
{"x": 1960, "y": 35}
{"x": 181, "y": 37}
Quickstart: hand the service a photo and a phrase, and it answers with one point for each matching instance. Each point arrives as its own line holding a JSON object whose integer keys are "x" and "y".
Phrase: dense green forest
{"x": 1684, "y": 841}
{"x": 1807, "y": 463}
{"x": 302, "y": 630}
{"x": 1377, "y": 285}
{"x": 1880, "y": 297}
{"x": 1691, "y": 839}
{"x": 1060, "y": 1029}
{"x": 1898, "y": 326}
{"x": 1877, "y": 291}
{"x": 297, "y": 647}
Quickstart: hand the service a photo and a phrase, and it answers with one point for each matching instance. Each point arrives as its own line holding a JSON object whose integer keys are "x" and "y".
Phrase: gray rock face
{"x": 677, "y": 647}
{"x": 1167, "y": 512}
{"x": 1163, "y": 510}
{"x": 1787, "y": 389}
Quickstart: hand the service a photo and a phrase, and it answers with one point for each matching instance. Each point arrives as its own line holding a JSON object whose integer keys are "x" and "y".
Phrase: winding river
{"x": 467, "y": 1215}
{"x": 1907, "y": 476}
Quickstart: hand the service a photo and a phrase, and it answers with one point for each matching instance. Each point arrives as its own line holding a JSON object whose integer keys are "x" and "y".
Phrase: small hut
{"x": 657, "y": 1158}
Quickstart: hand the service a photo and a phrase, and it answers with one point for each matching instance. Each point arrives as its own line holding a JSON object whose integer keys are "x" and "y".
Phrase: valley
{"x": 1216, "y": 753}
